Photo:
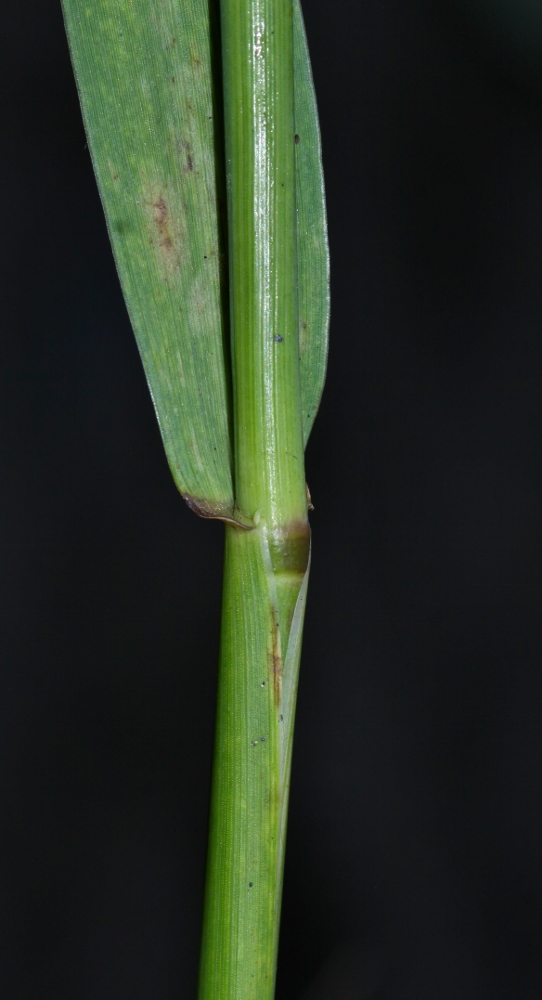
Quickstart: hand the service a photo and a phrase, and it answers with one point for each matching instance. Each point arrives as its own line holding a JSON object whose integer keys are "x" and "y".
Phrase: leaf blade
{"x": 144, "y": 72}
{"x": 312, "y": 244}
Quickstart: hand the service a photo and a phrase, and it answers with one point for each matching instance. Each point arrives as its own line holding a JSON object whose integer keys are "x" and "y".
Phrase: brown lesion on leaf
{"x": 186, "y": 154}
{"x": 195, "y": 57}
{"x": 113, "y": 171}
{"x": 164, "y": 234}
{"x": 160, "y": 215}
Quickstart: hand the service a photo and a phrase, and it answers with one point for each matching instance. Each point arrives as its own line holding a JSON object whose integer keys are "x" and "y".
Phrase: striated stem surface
{"x": 266, "y": 568}
{"x": 251, "y": 775}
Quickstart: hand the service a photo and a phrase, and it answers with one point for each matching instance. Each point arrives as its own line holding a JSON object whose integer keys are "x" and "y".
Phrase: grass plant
{"x": 202, "y": 126}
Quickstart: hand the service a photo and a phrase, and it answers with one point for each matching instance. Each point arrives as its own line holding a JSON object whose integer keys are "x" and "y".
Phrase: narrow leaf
{"x": 312, "y": 246}
{"x": 144, "y": 71}
{"x": 147, "y": 73}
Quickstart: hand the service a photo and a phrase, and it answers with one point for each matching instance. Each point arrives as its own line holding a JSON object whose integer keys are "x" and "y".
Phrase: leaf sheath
{"x": 251, "y": 775}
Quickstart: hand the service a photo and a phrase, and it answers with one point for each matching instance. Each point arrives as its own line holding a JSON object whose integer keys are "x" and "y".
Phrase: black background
{"x": 414, "y": 865}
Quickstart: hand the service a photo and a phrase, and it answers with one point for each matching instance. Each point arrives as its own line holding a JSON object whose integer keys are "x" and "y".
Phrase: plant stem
{"x": 259, "y": 121}
{"x": 250, "y": 779}
{"x": 266, "y": 568}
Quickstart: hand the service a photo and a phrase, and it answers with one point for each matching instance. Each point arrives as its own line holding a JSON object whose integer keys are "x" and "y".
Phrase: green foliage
{"x": 148, "y": 74}
{"x": 231, "y": 319}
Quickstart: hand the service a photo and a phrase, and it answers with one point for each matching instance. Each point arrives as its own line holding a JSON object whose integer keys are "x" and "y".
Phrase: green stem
{"x": 251, "y": 773}
{"x": 260, "y": 162}
{"x": 266, "y": 568}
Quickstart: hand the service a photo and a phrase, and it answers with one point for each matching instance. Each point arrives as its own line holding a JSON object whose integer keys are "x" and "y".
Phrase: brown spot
{"x": 165, "y": 234}
{"x": 303, "y": 324}
{"x": 160, "y": 212}
{"x": 296, "y": 138}
{"x": 276, "y": 665}
{"x": 161, "y": 219}
{"x": 173, "y": 79}
{"x": 185, "y": 151}
{"x": 195, "y": 56}
{"x": 115, "y": 177}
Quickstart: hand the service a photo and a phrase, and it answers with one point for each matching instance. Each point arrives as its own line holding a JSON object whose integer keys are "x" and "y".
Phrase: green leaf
{"x": 145, "y": 73}
{"x": 312, "y": 247}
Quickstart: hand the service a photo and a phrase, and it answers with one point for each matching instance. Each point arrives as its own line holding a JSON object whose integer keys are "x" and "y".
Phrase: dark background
{"x": 414, "y": 865}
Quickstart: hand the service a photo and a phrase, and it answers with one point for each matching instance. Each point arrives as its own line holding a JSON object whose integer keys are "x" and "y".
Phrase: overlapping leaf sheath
{"x": 256, "y": 704}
